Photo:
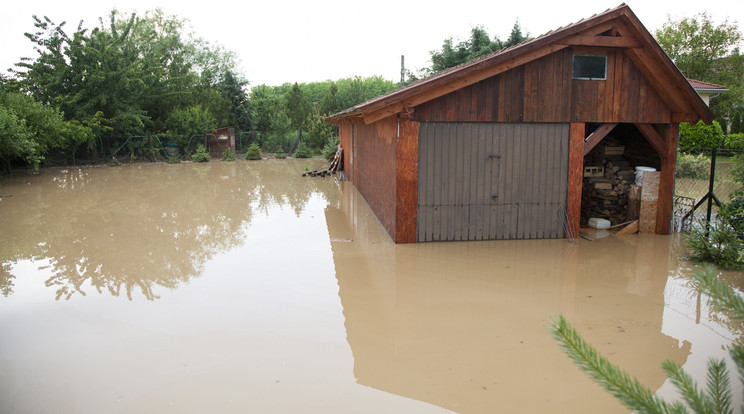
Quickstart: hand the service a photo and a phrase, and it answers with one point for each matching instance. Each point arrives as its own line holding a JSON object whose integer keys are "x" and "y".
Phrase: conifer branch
{"x": 696, "y": 400}
{"x": 626, "y": 389}
{"x": 719, "y": 386}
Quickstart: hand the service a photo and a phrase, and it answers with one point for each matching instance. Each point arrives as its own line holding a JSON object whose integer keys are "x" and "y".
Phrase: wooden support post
{"x": 666, "y": 180}
{"x": 406, "y": 181}
{"x": 575, "y": 176}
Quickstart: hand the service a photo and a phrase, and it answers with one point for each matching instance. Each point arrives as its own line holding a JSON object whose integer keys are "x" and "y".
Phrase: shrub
{"x": 736, "y": 213}
{"x": 700, "y": 135}
{"x": 227, "y": 155}
{"x": 201, "y": 154}
{"x": 734, "y": 141}
{"x": 302, "y": 151}
{"x": 330, "y": 148}
{"x": 717, "y": 242}
{"x": 692, "y": 166}
{"x": 253, "y": 152}
{"x": 280, "y": 154}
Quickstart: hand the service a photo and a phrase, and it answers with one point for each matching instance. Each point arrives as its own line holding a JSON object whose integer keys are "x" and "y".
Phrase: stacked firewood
{"x": 606, "y": 196}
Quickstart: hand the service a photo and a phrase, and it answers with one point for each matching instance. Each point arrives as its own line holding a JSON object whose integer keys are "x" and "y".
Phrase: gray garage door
{"x": 487, "y": 181}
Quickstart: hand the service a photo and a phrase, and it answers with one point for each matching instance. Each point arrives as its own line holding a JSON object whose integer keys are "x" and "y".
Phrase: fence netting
{"x": 704, "y": 178}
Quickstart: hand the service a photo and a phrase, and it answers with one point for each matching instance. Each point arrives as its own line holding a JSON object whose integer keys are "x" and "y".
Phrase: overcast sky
{"x": 281, "y": 41}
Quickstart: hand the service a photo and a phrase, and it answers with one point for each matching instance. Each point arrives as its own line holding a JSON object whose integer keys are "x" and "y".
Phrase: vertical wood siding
{"x": 487, "y": 181}
{"x": 543, "y": 91}
{"x": 374, "y": 153}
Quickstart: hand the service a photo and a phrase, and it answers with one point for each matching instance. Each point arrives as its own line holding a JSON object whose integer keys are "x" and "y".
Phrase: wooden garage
{"x": 494, "y": 148}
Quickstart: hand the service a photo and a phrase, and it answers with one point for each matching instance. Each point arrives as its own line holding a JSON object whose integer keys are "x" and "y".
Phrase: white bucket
{"x": 599, "y": 223}
{"x": 639, "y": 174}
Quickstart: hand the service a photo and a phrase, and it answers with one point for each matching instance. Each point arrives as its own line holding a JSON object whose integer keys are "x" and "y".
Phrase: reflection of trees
{"x": 138, "y": 227}
{"x": 683, "y": 268}
{"x": 6, "y": 279}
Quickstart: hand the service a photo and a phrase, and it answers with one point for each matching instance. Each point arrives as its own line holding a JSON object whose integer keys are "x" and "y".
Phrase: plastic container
{"x": 599, "y": 223}
{"x": 639, "y": 174}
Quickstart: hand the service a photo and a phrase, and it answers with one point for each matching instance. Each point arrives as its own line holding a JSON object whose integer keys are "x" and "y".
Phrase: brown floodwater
{"x": 243, "y": 287}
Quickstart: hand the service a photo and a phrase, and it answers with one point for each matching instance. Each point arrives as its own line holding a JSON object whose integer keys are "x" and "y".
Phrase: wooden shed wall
{"x": 373, "y": 153}
{"x": 543, "y": 91}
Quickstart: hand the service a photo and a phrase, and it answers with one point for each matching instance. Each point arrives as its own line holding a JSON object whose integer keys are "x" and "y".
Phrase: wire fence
{"x": 704, "y": 180}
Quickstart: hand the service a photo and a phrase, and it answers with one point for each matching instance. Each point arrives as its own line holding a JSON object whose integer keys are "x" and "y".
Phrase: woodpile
{"x": 606, "y": 195}
{"x": 332, "y": 169}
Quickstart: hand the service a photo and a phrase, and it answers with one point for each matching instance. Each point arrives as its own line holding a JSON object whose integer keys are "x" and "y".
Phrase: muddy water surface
{"x": 242, "y": 287}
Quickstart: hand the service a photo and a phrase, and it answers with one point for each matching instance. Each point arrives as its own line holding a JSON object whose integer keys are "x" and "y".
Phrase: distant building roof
{"x": 701, "y": 86}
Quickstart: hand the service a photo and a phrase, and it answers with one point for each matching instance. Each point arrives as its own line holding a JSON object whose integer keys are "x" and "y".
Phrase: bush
{"x": 227, "y": 155}
{"x": 692, "y": 166}
{"x": 280, "y": 154}
{"x": 330, "y": 148}
{"x": 736, "y": 213}
{"x": 253, "y": 153}
{"x": 302, "y": 151}
{"x": 201, "y": 154}
{"x": 721, "y": 245}
{"x": 700, "y": 135}
{"x": 734, "y": 141}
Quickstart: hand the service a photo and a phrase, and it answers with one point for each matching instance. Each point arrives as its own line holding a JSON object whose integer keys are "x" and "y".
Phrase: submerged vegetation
{"x": 201, "y": 154}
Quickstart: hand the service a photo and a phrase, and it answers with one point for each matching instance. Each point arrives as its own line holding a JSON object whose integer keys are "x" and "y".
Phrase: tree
{"x": 233, "y": 88}
{"x": 708, "y": 52}
{"x": 516, "y": 37}
{"x": 319, "y": 131}
{"x": 126, "y": 78}
{"x": 478, "y": 44}
{"x": 29, "y": 130}
{"x": 297, "y": 106}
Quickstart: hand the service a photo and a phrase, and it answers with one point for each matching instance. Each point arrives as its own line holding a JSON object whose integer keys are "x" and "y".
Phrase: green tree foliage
{"x": 201, "y": 154}
{"x": 253, "y": 153}
{"x": 700, "y": 135}
{"x": 319, "y": 132}
{"x": 273, "y": 108}
{"x": 708, "y": 52}
{"x": 478, "y": 44}
{"x": 715, "y": 397}
{"x": 692, "y": 166}
{"x": 297, "y": 106}
{"x": 29, "y": 130}
{"x": 133, "y": 76}
{"x": 234, "y": 89}
{"x": 719, "y": 242}
{"x": 302, "y": 151}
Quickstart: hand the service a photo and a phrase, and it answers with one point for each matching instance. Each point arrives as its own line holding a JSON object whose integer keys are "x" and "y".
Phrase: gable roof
{"x": 618, "y": 27}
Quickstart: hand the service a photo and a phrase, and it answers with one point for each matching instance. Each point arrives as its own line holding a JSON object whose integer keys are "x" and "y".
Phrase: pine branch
{"x": 719, "y": 386}
{"x": 737, "y": 354}
{"x": 628, "y": 390}
{"x": 697, "y": 401}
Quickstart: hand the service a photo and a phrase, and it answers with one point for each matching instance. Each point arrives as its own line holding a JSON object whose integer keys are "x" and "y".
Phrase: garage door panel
{"x": 482, "y": 181}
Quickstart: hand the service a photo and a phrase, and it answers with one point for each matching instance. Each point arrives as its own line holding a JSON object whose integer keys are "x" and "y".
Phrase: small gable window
{"x": 591, "y": 67}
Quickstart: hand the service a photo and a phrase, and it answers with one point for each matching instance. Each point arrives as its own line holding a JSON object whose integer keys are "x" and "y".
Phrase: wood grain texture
{"x": 374, "y": 150}
{"x": 575, "y": 174}
{"x": 544, "y": 91}
{"x": 406, "y": 182}
{"x": 666, "y": 181}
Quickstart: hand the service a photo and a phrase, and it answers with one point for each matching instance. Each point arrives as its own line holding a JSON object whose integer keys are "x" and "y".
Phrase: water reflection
{"x": 463, "y": 325}
{"x": 136, "y": 228}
